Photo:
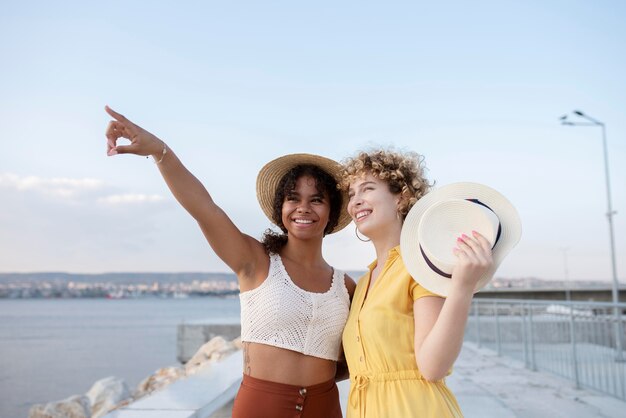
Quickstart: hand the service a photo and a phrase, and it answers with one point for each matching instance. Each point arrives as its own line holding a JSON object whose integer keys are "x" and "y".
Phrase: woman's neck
{"x": 387, "y": 240}
{"x": 305, "y": 253}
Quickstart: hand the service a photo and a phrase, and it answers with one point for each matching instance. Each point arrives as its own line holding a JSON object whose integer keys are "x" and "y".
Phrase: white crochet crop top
{"x": 281, "y": 314}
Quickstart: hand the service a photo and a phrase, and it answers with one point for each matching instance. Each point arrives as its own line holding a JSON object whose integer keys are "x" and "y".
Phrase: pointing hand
{"x": 142, "y": 142}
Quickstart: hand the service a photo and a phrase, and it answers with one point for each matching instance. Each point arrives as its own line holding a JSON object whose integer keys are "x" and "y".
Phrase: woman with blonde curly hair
{"x": 400, "y": 340}
{"x": 293, "y": 303}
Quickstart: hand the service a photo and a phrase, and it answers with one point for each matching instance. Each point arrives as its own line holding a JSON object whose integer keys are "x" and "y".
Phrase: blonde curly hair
{"x": 403, "y": 172}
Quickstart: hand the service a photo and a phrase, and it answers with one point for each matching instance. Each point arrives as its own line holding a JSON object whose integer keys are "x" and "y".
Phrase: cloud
{"x": 120, "y": 199}
{"x": 80, "y": 224}
{"x": 55, "y": 186}
{"x": 73, "y": 190}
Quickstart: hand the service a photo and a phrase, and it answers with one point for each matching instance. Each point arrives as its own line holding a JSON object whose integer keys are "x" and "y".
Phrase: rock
{"x": 72, "y": 407}
{"x": 105, "y": 394}
{"x": 214, "y": 350}
{"x": 158, "y": 380}
{"x": 124, "y": 403}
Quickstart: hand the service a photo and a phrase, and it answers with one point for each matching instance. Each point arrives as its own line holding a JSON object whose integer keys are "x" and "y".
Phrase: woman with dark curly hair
{"x": 293, "y": 304}
{"x": 401, "y": 340}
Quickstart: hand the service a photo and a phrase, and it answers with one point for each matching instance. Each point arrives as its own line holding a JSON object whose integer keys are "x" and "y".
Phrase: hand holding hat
{"x": 435, "y": 222}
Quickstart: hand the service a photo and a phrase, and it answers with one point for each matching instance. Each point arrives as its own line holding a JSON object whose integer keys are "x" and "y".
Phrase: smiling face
{"x": 372, "y": 206}
{"x": 305, "y": 210}
{"x": 402, "y": 172}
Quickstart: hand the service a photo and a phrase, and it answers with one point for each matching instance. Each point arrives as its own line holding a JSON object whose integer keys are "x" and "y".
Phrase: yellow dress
{"x": 378, "y": 343}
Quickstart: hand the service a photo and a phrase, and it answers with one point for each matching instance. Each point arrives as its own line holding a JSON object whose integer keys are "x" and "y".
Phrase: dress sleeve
{"x": 417, "y": 291}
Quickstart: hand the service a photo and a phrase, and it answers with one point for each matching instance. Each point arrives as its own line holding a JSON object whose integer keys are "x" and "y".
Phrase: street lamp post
{"x": 568, "y": 296}
{"x": 609, "y": 214}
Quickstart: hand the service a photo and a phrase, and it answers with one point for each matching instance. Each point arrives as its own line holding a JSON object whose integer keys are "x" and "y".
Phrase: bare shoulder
{"x": 350, "y": 284}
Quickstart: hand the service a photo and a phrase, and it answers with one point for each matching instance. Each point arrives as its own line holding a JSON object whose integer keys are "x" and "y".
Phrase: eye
{"x": 290, "y": 198}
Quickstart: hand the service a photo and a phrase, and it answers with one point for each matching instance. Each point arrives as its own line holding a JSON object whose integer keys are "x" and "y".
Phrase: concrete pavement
{"x": 490, "y": 386}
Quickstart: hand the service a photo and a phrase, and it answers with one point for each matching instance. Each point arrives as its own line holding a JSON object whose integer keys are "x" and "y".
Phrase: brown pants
{"x": 262, "y": 399}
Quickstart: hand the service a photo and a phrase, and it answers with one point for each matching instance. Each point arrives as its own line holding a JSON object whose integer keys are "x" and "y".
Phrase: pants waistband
{"x": 284, "y": 388}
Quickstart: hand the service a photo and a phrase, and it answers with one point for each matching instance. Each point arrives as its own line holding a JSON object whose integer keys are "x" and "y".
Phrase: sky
{"x": 477, "y": 88}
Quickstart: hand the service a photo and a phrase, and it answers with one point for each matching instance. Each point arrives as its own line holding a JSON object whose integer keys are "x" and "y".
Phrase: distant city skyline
{"x": 478, "y": 89}
{"x": 184, "y": 285}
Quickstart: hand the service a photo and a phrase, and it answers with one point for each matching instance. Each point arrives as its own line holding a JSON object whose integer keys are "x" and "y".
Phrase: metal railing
{"x": 575, "y": 340}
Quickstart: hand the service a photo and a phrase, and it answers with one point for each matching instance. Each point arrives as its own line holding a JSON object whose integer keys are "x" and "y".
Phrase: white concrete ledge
{"x": 486, "y": 386}
{"x": 196, "y": 396}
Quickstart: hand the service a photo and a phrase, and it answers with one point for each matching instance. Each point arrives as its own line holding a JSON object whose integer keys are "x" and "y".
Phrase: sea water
{"x": 52, "y": 349}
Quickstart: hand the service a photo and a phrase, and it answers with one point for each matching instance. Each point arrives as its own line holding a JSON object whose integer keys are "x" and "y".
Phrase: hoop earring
{"x": 356, "y": 232}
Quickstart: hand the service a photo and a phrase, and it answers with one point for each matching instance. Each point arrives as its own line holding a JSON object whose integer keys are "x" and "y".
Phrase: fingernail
{"x": 464, "y": 236}
{"x": 474, "y": 233}
{"x": 459, "y": 240}
{"x": 112, "y": 152}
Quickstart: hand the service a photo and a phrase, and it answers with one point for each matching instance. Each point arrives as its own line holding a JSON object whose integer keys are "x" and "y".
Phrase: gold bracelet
{"x": 162, "y": 154}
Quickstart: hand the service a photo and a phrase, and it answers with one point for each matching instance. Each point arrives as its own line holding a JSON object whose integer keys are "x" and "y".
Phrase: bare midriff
{"x": 285, "y": 366}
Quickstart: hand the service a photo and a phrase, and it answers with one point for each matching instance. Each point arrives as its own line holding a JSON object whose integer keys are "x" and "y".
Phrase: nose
{"x": 354, "y": 202}
{"x": 303, "y": 207}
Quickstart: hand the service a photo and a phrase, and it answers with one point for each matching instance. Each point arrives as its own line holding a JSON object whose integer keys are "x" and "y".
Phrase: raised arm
{"x": 242, "y": 253}
{"x": 440, "y": 323}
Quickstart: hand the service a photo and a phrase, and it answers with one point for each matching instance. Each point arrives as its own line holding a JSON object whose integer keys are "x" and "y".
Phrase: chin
{"x": 365, "y": 231}
{"x": 304, "y": 235}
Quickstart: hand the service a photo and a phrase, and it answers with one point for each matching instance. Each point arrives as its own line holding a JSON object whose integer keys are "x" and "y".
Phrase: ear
{"x": 398, "y": 199}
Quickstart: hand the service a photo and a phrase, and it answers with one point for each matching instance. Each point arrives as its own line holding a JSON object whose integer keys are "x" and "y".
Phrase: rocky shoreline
{"x": 112, "y": 393}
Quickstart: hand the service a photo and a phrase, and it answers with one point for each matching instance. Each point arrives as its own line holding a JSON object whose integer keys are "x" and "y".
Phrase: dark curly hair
{"x": 273, "y": 241}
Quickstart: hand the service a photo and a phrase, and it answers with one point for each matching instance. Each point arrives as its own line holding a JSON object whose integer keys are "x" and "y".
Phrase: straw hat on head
{"x": 437, "y": 219}
{"x": 272, "y": 172}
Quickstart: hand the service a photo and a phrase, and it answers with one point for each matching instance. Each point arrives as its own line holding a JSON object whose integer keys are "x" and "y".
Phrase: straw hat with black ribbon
{"x": 437, "y": 219}
{"x": 272, "y": 172}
